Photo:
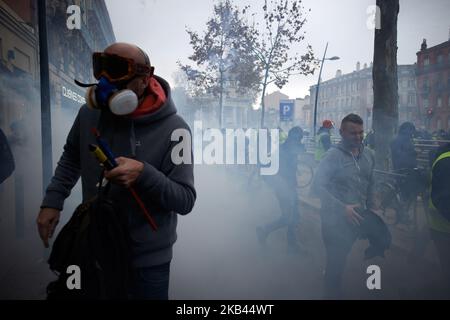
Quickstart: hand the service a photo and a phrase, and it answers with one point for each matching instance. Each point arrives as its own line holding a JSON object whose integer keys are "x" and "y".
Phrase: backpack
{"x": 96, "y": 240}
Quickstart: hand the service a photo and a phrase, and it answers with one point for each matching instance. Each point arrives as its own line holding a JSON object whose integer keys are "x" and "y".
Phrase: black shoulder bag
{"x": 96, "y": 241}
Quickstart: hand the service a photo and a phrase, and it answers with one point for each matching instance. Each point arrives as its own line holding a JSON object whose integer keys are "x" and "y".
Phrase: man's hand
{"x": 352, "y": 216}
{"x": 126, "y": 172}
{"x": 47, "y": 220}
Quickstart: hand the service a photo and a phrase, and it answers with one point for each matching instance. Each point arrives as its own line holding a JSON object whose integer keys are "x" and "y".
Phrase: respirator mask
{"x": 113, "y": 73}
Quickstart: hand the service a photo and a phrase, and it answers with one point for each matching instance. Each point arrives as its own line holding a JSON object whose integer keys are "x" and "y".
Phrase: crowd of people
{"x": 351, "y": 205}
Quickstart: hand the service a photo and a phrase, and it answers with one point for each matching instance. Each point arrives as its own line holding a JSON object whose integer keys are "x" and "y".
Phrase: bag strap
{"x": 102, "y": 192}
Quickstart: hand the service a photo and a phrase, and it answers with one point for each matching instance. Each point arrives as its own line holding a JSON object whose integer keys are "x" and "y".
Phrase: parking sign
{"x": 287, "y": 110}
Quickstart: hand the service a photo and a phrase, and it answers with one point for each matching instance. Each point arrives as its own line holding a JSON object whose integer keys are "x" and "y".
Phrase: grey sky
{"x": 158, "y": 26}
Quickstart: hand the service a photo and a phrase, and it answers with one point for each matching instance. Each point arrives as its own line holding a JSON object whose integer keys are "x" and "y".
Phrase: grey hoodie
{"x": 342, "y": 179}
{"x": 165, "y": 188}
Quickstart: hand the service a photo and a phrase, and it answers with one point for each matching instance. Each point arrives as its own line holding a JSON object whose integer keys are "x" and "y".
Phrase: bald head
{"x": 138, "y": 84}
{"x": 127, "y": 50}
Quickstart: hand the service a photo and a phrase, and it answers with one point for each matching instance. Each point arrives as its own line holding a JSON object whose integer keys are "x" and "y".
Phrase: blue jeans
{"x": 150, "y": 283}
{"x": 338, "y": 237}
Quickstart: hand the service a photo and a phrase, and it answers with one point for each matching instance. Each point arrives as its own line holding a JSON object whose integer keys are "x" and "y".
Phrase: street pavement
{"x": 218, "y": 256}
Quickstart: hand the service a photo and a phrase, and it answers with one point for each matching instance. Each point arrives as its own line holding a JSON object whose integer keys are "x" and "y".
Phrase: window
{"x": 440, "y": 59}
{"x": 438, "y": 124}
{"x": 439, "y": 102}
{"x": 404, "y": 83}
{"x": 426, "y": 85}
{"x": 410, "y": 83}
{"x": 425, "y": 103}
{"x": 411, "y": 100}
{"x": 426, "y": 61}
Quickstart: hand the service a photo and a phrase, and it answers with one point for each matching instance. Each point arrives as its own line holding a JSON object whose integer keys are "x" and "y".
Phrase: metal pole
{"x": 46, "y": 128}
{"x": 317, "y": 91}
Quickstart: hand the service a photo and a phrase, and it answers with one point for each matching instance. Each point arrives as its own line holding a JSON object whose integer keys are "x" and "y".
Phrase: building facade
{"x": 302, "y": 112}
{"x": 353, "y": 93}
{"x": 433, "y": 83}
{"x": 20, "y": 110}
{"x": 272, "y": 108}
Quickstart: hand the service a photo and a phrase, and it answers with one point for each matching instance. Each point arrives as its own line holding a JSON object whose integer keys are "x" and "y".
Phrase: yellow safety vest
{"x": 435, "y": 220}
{"x": 282, "y": 137}
{"x": 320, "y": 149}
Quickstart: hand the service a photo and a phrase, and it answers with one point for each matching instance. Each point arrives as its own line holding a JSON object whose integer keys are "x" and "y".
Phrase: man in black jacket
{"x": 404, "y": 156}
{"x": 284, "y": 185}
{"x": 404, "y": 161}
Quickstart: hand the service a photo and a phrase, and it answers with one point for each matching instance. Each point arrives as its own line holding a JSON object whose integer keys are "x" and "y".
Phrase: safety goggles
{"x": 116, "y": 68}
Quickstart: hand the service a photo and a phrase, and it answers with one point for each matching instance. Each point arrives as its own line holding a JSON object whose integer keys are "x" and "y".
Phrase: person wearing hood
{"x": 404, "y": 155}
{"x": 404, "y": 161}
{"x": 323, "y": 139}
{"x": 133, "y": 110}
{"x": 284, "y": 185}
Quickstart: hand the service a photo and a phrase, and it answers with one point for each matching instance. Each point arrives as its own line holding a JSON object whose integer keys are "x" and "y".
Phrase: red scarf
{"x": 153, "y": 101}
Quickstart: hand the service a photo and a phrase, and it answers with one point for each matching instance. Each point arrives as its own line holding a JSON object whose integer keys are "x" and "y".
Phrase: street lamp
{"x": 318, "y": 84}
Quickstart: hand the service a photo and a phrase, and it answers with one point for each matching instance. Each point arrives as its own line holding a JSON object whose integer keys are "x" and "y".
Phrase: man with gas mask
{"x": 133, "y": 111}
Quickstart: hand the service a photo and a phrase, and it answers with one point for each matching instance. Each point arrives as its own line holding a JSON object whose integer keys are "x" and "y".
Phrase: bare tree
{"x": 271, "y": 43}
{"x": 220, "y": 57}
{"x": 385, "y": 84}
